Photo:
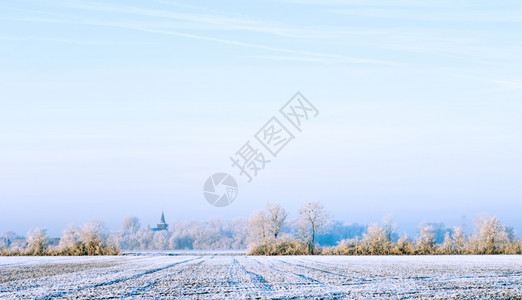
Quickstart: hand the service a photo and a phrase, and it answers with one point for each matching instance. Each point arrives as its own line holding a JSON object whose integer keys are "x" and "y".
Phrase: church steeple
{"x": 162, "y": 218}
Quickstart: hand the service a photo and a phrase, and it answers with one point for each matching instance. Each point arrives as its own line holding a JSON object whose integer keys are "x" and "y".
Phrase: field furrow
{"x": 255, "y": 277}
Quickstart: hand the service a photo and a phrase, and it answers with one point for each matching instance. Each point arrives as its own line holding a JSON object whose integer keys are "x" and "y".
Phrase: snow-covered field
{"x": 237, "y": 277}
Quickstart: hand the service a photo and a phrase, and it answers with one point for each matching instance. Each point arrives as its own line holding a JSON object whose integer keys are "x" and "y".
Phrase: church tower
{"x": 162, "y": 224}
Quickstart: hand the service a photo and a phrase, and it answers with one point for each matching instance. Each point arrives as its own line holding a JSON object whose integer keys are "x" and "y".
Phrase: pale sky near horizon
{"x": 112, "y": 108}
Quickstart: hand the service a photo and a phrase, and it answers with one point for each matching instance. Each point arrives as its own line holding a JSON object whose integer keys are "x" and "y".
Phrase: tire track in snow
{"x": 265, "y": 288}
{"x": 356, "y": 278}
{"x": 332, "y": 291}
{"x": 258, "y": 286}
{"x": 115, "y": 281}
{"x": 155, "y": 280}
{"x": 300, "y": 264}
{"x": 301, "y": 276}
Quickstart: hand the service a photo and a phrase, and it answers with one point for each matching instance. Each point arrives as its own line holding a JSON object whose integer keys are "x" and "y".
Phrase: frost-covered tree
{"x": 211, "y": 235}
{"x": 130, "y": 225}
{"x": 6, "y": 239}
{"x": 94, "y": 240}
{"x": 312, "y": 219}
{"x": 160, "y": 241}
{"x": 239, "y": 228}
{"x": 276, "y": 217}
{"x": 258, "y": 226}
{"x": 267, "y": 224}
{"x": 404, "y": 245}
{"x": 351, "y": 246}
{"x": 448, "y": 245}
{"x": 70, "y": 242}
{"x": 37, "y": 241}
{"x": 491, "y": 236}
{"x": 144, "y": 237}
{"x": 426, "y": 241}
{"x": 184, "y": 234}
{"x": 513, "y": 246}
{"x": 440, "y": 230}
{"x": 389, "y": 226}
{"x": 376, "y": 241}
{"x": 460, "y": 238}
{"x": 128, "y": 236}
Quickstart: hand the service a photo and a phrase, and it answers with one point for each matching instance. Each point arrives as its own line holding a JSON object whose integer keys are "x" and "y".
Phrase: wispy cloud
{"x": 65, "y": 41}
{"x": 293, "y": 58}
{"x": 154, "y": 27}
{"x": 399, "y": 3}
{"x": 210, "y": 20}
{"x": 189, "y": 21}
{"x": 329, "y": 57}
{"x": 445, "y": 15}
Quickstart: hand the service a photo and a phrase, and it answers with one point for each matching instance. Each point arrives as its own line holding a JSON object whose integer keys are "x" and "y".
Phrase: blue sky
{"x": 109, "y": 109}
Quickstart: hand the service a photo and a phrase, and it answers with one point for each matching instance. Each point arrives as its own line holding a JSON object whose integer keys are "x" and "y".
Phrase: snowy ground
{"x": 237, "y": 277}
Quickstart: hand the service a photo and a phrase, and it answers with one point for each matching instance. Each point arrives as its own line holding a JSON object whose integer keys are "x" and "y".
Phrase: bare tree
{"x": 37, "y": 241}
{"x": 312, "y": 219}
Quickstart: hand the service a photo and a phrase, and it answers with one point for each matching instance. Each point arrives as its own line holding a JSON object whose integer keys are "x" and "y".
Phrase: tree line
{"x": 271, "y": 232}
{"x": 489, "y": 236}
{"x": 89, "y": 239}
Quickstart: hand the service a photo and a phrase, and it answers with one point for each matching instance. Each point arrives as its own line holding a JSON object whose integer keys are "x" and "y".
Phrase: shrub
{"x": 283, "y": 246}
